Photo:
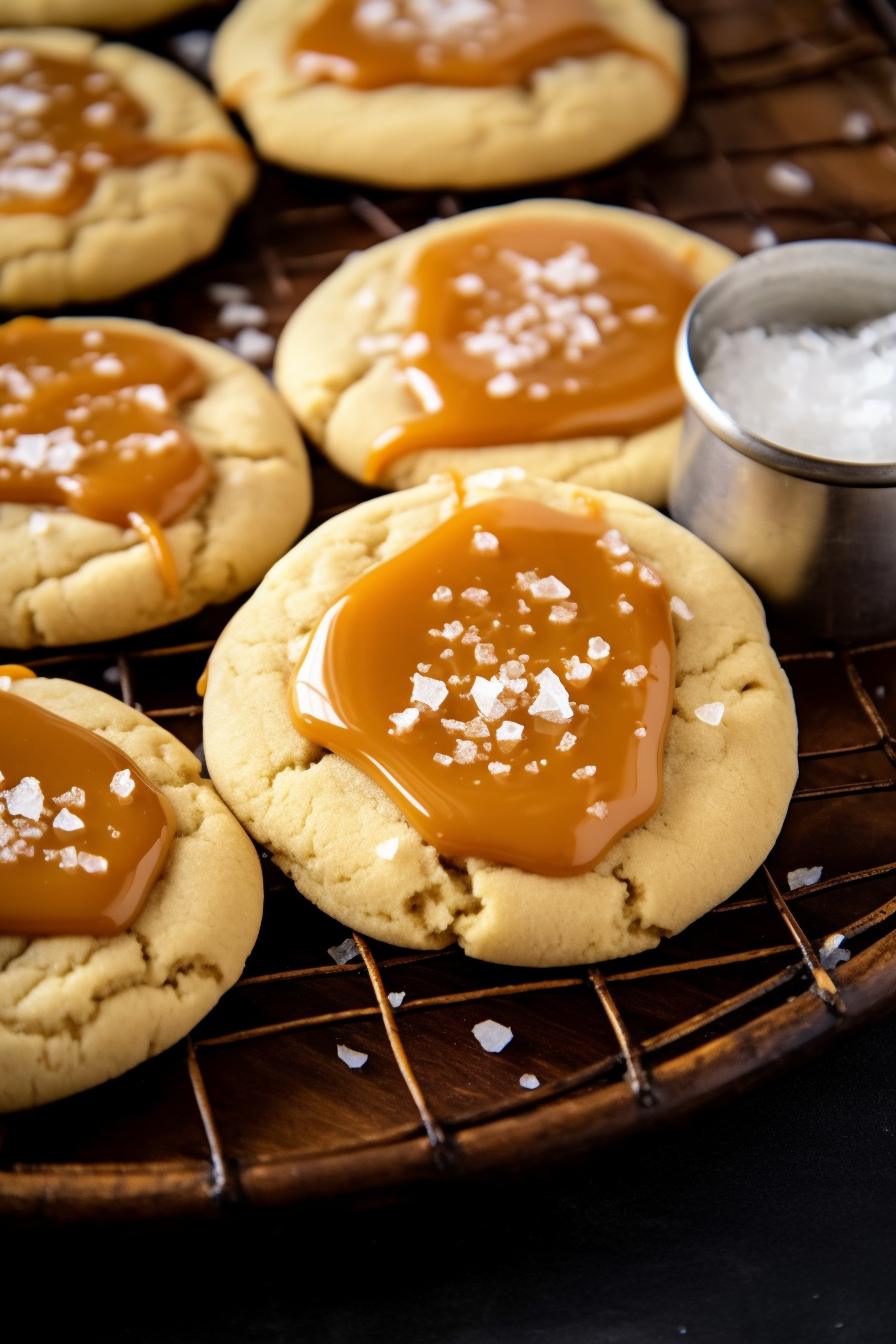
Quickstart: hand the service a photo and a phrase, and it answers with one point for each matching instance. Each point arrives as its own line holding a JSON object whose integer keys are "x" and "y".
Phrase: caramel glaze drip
{"x": 535, "y": 330}
{"x": 370, "y": 44}
{"x": 87, "y": 420}
{"x": 62, "y": 124}
{"x": 83, "y": 833}
{"x": 507, "y": 681}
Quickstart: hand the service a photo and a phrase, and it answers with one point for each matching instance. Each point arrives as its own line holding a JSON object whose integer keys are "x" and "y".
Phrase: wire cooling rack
{"x": 256, "y": 1106}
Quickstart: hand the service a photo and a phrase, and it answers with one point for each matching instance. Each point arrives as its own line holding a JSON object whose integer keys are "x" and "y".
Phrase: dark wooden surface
{"x": 256, "y": 1109}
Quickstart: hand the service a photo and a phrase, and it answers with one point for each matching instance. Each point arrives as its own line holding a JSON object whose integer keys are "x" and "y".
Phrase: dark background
{"x": 773, "y": 1219}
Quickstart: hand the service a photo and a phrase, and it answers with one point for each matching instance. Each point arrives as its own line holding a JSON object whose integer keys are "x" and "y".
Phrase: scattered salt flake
{"x": 485, "y": 654}
{"x": 552, "y": 701}
{"x": 831, "y": 952}
{"x": 632, "y": 675}
{"x": 355, "y": 1059}
{"x": 681, "y": 608}
{"x": 450, "y": 630}
{"x": 614, "y": 542}
{"x": 576, "y": 671}
{"x": 442, "y": 594}
{"x": 486, "y": 543}
{"x": 803, "y": 877}
{"x": 496, "y": 768}
{"x": 627, "y": 567}
{"x": 563, "y": 613}
{"x": 68, "y": 857}
{"x": 192, "y": 49}
{"x": 599, "y": 810}
{"x": 464, "y": 752}
{"x": 108, "y": 366}
{"x": 856, "y": 126}
{"x": 763, "y": 237}
{"x": 223, "y": 291}
{"x": 504, "y": 384}
{"x": 424, "y": 389}
{"x": 478, "y": 596}
{"x": 387, "y": 849}
{"x": 539, "y": 391}
{"x": 38, "y": 524}
{"x": 532, "y": 767}
{"x": 92, "y": 863}
{"x": 789, "y": 178}
{"x": 123, "y": 784}
{"x": 710, "y": 713}
{"x": 508, "y": 731}
{"x": 344, "y": 952}
{"x": 365, "y": 297}
{"x": 487, "y": 697}
{"x": 415, "y": 346}
{"x": 548, "y": 589}
{"x": 584, "y": 772}
{"x": 67, "y": 821}
{"x": 441, "y": 759}
{"x": 475, "y": 728}
{"x": 598, "y": 648}
{"x": 494, "y": 477}
{"x": 529, "y": 1081}
{"x": 640, "y": 732}
{"x": 567, "y": 742}
{"x": 234, "y": 315}
{"x": 526, "y": 630}
{"x": 647, "y": 312}
{"x": 492, "y": 1036}
{"x": 257, "y": 347}
{"x": 428, "y": 691}
{"x": 649, "y": 576}
{"x": 396, "y": 998}
{"x": 26, "y": 799}
{"x": 469, "y": 284}
{"x": 624, "y": 608}
{"x": 5, "y": 685}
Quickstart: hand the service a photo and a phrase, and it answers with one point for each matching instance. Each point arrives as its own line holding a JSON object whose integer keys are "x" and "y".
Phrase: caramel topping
{"x": 507, "y": 680}
{"x": 83, "y": 833}
{"x": 369, "y": 44}
{"x": 534, "y": 330}
{"x": 88, "y": 420}
{"x": 62, "y": 124}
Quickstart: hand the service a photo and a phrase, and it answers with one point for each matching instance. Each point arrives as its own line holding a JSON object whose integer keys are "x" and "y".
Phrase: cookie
{"x": 111, "y": 14}
{"x": 145, "y": 177}
{"x": 75, "y": 1011}
{"x": 726, "y": 785}
{"x": 66, "y": 578}
{"x": 571, "y": 115}
{"x": 337, "y": 360}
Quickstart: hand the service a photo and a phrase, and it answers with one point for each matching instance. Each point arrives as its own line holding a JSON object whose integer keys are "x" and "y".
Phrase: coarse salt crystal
{"x": 485, "y": 654}
{"x": 598, "y": 648}
{"x": 396, "y": 998}
{"x": 68, "y": 857}
{"x": 122, "y": 784}
{"x": 552, "y": 701}
{"x": 632, "y": 675}
{"x": 563, "y": 613}
{"x": 442, "y": 594}
{"x": 856, "y": 126}
{"x": 92, "y": 863}
{"x": 640, "y": 732}
{"x": 763, "y": 237}
{"x": 450, "y": 630}
{"x": 234, "y": 315}
{"x": 584, "y": 772}
{"x": 487, "y": 697}
{"x": 464, "y": 752}
{"x": 803, "y": 877}
{"x": 38, "y": 524}
{"x": 532, "y": 767}
{"x": 469, "y": 284}
{"x": 567, "y": 742}
{"x": 26, "y": 799}
{"x": 614, "y": 542}
{"x": 355, "y": 1059}
{"x": 627, "y": 567}
{"x": 548, "y": 589}
{"x": 529, "y": 1081}
{"x": 257, "y": 347}
{"x": 789, "y": 178}
{"x": 67, "y": 821}
{"x": 5, "y": 685}
{"x": 344, "y": 952}
{"x": 224, "y": 291}
{"x": 441, "y": 759}
{"x": 152, "y": 395}
{"x": 649, "y": 576}
{"x": 496, "y": 768}
{"x": 711, "y": 712}
{"x": 624, "y": 608}
{"x": 681, "y": 608}
{"x": 504, "y": 384}
{"x": 428, "y": 691}
{"x": 831, "y": 952}
{"x": 599, "y": 810}
{"x": 492, "y": 1036}
{"x": 486, "y": 543}
{"x": 387, "y": 849}
{"x": 577, "y": 672}
{"x": 508, "y": 731}
{"x": 478, "y": 596}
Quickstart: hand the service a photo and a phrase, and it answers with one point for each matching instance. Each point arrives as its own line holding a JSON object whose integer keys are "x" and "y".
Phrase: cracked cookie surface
{"x": 726, "y": 787}
{"x": 344, "y": 398}
{"x": 139, "y": 224}
{"x": 72, "y": 579}
{"x": 569, "y": 116}
{"x": 76, "y": 1011}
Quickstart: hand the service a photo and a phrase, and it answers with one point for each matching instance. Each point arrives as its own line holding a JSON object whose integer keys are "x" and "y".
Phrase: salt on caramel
{"x": 536, "y": 329}
{"x": 507, "y": 680}
{"x": 88, "y": 420}
{"x": 371, "y": 44}
{"x": 83, "y": 833}
{"x": 63, "y": 123}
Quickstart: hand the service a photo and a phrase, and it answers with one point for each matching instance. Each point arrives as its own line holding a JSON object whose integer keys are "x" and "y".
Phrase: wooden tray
{"x": 256, "y": 1107}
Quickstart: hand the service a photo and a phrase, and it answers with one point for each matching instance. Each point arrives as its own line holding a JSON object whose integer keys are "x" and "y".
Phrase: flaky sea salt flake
{"x": 789, "y": 178}
{"x": 92, "y": 863}
{"x": 67, "y": 821}
{"x": 428, "y": 691}
{"x": 464, "y": 752}
{"x": 567, "y": 742}
{"x": 576, "y": 672}
{"x": 508, "y": 731}
{"x": 486, "y": 543}
{"x": 529, "y": 1081}
{"x": 623, "y": 607}
{"x": 26, "y": 799}
{"x": 633, "y": 675}
{"x": 123, "y": 784}
{"x": 681, "y": 608}
{"x": 492, "y": 1036}
{"x": 345, "y": 951}
{"x": 614, "y": 542}
{"x": 552, "y": 701}
{"x": 549, "y": 589}
{"x": 442, "y": 594}
{"x": 397, "y": 997}
{"x": 803, "y": 877}
{"x": 441, "y": 759}
{"x": 478, "y": 596}
{"x": 598, "y": 648}
{"x": 599, "y": 810}
{"x": 387, "y": 849}
{"x": 496, "y": 768}
{"x": 710, "y": 713}
{"x": 584, "y": 772}
{"x": 563, "y": 613}
{"x": 355, "y": 1059}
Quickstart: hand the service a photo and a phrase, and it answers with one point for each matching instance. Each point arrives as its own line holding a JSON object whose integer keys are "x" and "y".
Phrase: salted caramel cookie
{"x": 453, "y": 96}
{"x": 163, "y": 475}
{"x": 454, "y": 347}
{"x": 118, "y": 168}
{"x": 728, "y": 767}
{"x": 111, "y": 14}
{"x": 77, "y": 1009}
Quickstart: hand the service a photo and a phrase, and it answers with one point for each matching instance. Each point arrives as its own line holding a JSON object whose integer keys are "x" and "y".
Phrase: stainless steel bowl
{"x": 816, "y": 537}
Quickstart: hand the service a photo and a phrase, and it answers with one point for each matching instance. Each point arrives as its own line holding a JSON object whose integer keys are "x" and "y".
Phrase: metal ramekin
{"x": 816, "y": 538}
